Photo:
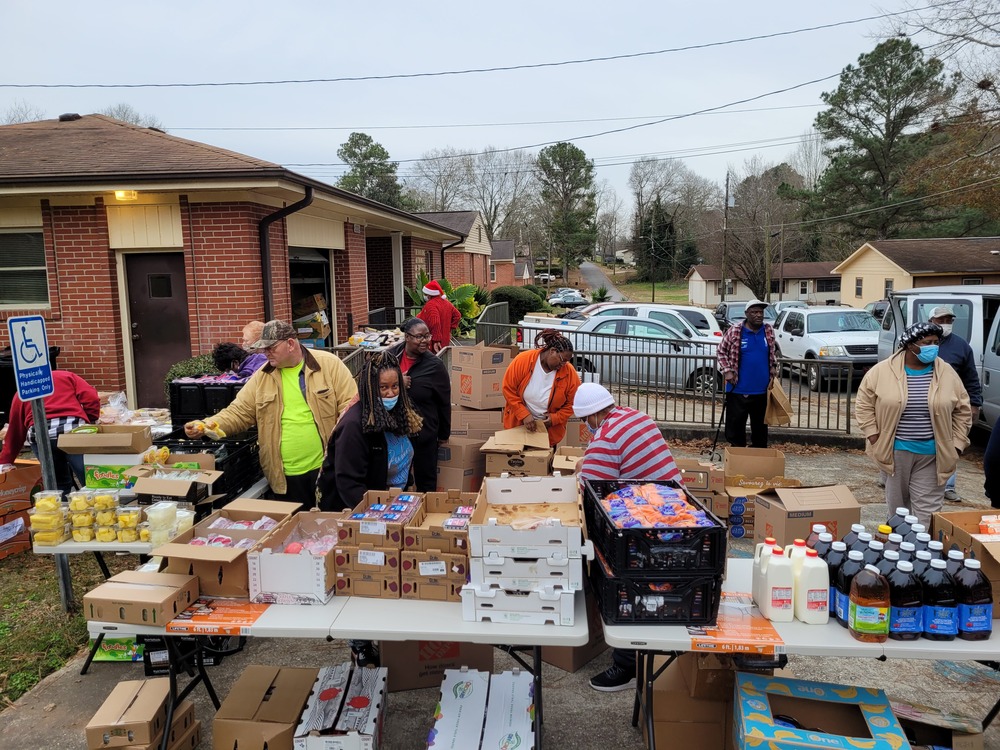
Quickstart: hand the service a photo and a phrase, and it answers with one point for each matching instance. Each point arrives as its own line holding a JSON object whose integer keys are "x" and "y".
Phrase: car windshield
{"x": 835, "y": 322}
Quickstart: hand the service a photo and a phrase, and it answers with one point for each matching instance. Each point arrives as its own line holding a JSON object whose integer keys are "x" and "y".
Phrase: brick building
{"x": 467, "y": 261}
{"x": 140, "y": 248}
{"x": 505, "y": 269}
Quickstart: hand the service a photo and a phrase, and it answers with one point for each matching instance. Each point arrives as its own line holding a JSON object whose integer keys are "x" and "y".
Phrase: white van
{"x": 976, "y": 321}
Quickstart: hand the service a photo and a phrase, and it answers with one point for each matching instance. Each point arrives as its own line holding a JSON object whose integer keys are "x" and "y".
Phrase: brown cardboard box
{"x": 460, "y": 480}
{"x": 577, "y": 434}
{"x": 367, "y": 558}
{"x": 931, "y": 726}
{"x": 474, "y": 423}
{"x": 701, "y": 476}
{"x": 566, "y": 458}
{"x": 961, "y": 527}
{"x": 134, "y": 714}
{"x": 263, "y": 708}
{"x": 305, "y": 306}
{"x": 369, "y": 585}
{"x": 181, "y": 724}
{"x": 141, "y": 598}
{"x": 110, "y": 438}
{"x": 380, "y": 534}
{"x": 572, "y": 658}
{"x": 18, "y": 485}
{"x": 314, "y": 326}
{"x": 519, "y": 453}
{"x": 150, "y": 489}
{"x": 453, "y": 566}
{"x": 789, "y": 513}
{"x": 713, "y": 676}
{"x": 429, "y": 532}
{"x": 421, "y": 664}
{"x": 477, "y": 376}
{"x": 14, "y": 534}
{"x": 683, "y": 721}
{"x": 223, "y": 571}
{"x": 431, "y": 589}
{"x": 760, "y": 468}
{"x": 461, "y": 464}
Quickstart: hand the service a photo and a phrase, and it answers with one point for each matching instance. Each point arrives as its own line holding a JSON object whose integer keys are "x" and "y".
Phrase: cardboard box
{"x": 509, "y": 711}
{"x": 134, "y": 714}
{"x": 150, "y": 489}
{"x": 527, "y": 574}
{"x": 453, "y": 566}
{"x": 475, "y": 424}
{"x": 701, "y": 476}
{"x": 430, "y": 589}
{"x": 112, "y": 438}
{"x": 18, "y": 485}
{"x": 477, "y": 376}
{"x": 760, "y": 468}
{"x": 369, "y": 585}
{"x": 108, "y": 471}
{"x": 188, "y": 741}
{"x": 854, "y": 713}
{"x": 566, "y": 458}
{"x": 355, "y": 532}
{"x": 461, "y": 464}
{"x": 306, "y": 306}
{"x": 573, "y": 658}
{"x": 519, "y": 453}
{"x": 263, "y": 708}
{"x": 713, "y": 676}
{"x": 680, "y": 720}
{"x": 461, "y": 710}
{"x": 495, "y": 529}
{"x": 789, "y": 513}
{"x": 141, "y": 598}
{"x": 540, "y": 607}
{"x": 414, "y": 665}
{"x": 180, "y": 726}
{"x": 577, "y": 434}
{"x": 367, "y": 558}
{"x": 930, "y": 726}
{"x": 313, "y": 326}
{"x": 460, "y": 480}
{"x": 961, "y": 528}
{"x": 277, "y": 577}
{"x": 14, "y": 534}
{"x": 223, "y": 571}
{"x": 429, "y": 532}
{"x": 351, "y": 720}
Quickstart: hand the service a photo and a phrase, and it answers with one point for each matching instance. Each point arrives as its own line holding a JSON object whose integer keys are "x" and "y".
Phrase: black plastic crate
{"x": 237, "y": 456}
{"x": 669, "y": 600}
{"x": 642, "y": 552}
{"x": 199, "y": 400}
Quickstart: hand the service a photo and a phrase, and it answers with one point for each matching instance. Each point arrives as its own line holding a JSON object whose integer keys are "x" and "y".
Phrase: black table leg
{"x": 93, "y": 653}
{"x": 103, "y": 565}
{"x": 645, "y": 677}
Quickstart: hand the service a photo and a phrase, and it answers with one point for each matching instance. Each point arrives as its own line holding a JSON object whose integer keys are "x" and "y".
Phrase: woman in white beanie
{"x": 625, "y": 444}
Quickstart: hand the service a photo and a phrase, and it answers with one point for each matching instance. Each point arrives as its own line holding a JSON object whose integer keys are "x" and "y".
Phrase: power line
{"x": 468, "y": 71}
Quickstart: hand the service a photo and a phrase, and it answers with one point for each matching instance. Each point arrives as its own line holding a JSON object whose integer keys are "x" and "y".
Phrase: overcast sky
{"x": 61, "y": 42}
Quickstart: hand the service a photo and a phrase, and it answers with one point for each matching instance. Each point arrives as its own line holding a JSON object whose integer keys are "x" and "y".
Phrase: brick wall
{"x": 505, "y": 275}
{"x": 379, "y": 259}
{"x": 351, "y": 282}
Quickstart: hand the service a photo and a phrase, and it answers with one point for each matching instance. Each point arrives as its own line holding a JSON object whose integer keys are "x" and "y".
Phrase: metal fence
{"x": 493, "y": 327}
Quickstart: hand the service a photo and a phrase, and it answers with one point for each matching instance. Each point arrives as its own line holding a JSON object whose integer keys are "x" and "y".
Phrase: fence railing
{"x": 492, "y": 326}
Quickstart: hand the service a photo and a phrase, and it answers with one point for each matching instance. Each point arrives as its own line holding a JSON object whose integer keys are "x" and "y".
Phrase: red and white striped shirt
{"x": 628, "y": 445}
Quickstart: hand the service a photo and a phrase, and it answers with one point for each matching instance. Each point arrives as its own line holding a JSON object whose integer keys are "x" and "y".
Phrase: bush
{"x": 520, "y": 301}
{"x": 536, "y": 290}
{"x": 189, "y": 368}
{"x": 600, "y": 294}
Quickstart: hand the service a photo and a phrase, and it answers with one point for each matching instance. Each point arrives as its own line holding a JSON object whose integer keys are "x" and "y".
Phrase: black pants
{"x": 738, "y": 409}
{"x": 425, "y": 464}
{"x": 301, "y": 489}
{"x": 624, "y": 658}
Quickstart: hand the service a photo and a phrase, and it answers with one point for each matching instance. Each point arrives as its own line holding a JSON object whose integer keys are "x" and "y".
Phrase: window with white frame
{"x": 859, "y": 284}
{"x": 887, "y": 288}
{"x": 23, "y": 275}
{"x": 972, "y": 280}
{"x": 493, "y": 272}
{"x": 803, "y": 287}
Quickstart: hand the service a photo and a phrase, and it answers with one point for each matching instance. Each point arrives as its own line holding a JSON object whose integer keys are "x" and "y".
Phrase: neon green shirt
{"x": 301, "y": 445}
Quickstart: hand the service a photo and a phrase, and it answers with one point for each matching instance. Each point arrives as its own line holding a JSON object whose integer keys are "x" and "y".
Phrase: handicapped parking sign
{"x": 30, "y": 349}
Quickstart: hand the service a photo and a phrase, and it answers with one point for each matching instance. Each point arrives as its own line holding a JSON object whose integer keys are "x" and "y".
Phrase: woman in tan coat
{"x": 915, "y": 415}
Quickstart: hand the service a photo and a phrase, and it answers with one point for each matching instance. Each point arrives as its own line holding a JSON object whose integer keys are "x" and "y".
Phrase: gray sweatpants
{"x": 914, "y": 485}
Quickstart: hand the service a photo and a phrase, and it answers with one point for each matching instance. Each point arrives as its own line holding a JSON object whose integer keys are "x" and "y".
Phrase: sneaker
{"x": 366, "y": 654}
{"x": 613, "y": 679}
{"x": 952, "y": 496}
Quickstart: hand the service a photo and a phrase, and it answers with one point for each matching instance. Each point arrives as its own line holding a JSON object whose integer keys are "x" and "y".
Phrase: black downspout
{"x": 445, "y": 247}
{"x": 263, "y": 229}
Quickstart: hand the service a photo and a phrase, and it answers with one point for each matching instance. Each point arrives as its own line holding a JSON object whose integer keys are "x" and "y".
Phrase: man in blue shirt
{"x": 748, "y": 361}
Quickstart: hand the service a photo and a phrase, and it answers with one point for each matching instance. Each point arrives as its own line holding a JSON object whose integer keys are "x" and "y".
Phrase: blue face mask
{"x": 590, "y": 429}
{"x": 390, "y": 403}
{"x": 928, "y": 353}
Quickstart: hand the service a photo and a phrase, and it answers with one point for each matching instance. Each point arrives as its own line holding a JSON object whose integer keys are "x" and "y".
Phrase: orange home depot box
{"x": 16, "y": 489}
{"x": 577, "y": 434}
{"x": 477, "y": 376}
{"x": 421, "y": 664}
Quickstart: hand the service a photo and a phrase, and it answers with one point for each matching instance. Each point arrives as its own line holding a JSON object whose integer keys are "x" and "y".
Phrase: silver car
{"x": 637, "y": 351}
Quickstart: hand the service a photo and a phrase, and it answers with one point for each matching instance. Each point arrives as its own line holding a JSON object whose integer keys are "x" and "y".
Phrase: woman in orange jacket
{"x": 540, "y": 384}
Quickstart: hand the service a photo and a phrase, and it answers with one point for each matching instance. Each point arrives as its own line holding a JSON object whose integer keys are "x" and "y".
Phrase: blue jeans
{"x": 66, "y": 465}
{"x": 950, "y": 484}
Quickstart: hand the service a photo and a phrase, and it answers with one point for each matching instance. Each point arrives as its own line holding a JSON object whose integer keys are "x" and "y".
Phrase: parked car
{"x": 877, "y": 309}
{"x": 728, "y": 313}
{"x": 568, "y": 299}
{"x": 664, "y": 313}
{"x": 684, "y": 319}
{"x": 614, "y": 347}
{"x": 544, "y": 277}
{"x": 784, "y": 304}
{"x": 700, "y": 318}
{"x": 833, "y": 338}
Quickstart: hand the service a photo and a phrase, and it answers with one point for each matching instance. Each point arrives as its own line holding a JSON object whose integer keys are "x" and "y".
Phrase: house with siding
{"x": 141, "y": 249}
{"x": 812, "y": 282}
{"x": 504, "y": 267}
{"x": 468, "y": 260}
{"x": 878, "y": 267}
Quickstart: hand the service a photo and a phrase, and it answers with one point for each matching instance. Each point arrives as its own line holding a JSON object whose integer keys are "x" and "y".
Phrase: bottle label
{"x": 868, "y": 620}
{"x": 906, "y": 619}
{"x": 940, "y": 620}
{"x": 816, "y": 600}
{"x": 975, "y": 618}
{"x": 841, "y": 605}
{"x": 781, "y": 597}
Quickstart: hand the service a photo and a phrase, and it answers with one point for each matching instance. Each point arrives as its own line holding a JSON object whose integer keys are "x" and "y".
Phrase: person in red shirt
{"x": 73, "y": 403}
{"x": 440, "y": 315}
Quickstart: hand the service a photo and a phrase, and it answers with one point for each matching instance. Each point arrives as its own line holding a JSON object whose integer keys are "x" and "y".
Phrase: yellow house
{"x": 881, "y": 266}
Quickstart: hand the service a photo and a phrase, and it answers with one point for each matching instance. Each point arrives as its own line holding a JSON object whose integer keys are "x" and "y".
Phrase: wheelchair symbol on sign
{"x": 28, "y": 349}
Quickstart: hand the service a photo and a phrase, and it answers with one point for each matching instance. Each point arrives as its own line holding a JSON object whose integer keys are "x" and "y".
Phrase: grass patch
{"x": 668, "y": 292}
{"x": 36, "y": 637}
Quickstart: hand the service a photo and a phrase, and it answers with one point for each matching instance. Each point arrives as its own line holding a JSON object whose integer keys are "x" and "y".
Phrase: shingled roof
{"x": 503, "y": 250}
{"x": 803, "y": 270}
{"x": 931, "y": 256}
{"x": 460, "y": 221}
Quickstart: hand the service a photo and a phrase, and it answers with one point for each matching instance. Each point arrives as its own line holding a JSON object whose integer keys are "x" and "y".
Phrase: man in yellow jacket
{"x": 295, "y": 401}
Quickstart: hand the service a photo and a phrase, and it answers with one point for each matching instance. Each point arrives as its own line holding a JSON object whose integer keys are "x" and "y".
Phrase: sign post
{"x": 29, "y": 346}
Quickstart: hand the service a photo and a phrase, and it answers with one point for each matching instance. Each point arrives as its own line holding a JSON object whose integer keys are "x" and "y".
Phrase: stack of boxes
{"x": 654, "y": 575}
{"x": 519, "y": 453}
{"x": 435, "y": 559}
{"x": 109, "y": 453}
{"x": 311, "y": 321}
{"x": 526, "y": 544}
{"x": 135, "y": 715}
{"x": 16, "y": 489}
{"x": 750, "y": 471}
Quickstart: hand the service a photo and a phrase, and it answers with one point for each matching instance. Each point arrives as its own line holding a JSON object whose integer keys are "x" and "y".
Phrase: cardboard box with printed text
{"x": 788, "y": 513}
{"x": 421, "y": 664}
{"x": 477, "y": 376}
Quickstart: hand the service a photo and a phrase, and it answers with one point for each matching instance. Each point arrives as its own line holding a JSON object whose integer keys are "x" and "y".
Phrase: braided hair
{"x": 403, "y": 419}
{"x": 550, "y": 338}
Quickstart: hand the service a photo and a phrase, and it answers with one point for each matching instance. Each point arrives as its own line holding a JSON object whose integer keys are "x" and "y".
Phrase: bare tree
{"x": 809, "y": 158}
{"x": 439, "y": 180}
{"x": 21, "y": 111}
{"x": 127, "y": 113}
{"x": 502, "y": 186}
{"x": 611, "y": 220}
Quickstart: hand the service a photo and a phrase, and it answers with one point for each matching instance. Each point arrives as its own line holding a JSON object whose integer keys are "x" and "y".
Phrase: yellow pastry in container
{"x": 185, "y": 520}
{"x": 43, "y": 521}
{"x": 46, "y": 502}
{"x": 162, "y": 536}
{"x": 106, "y": 517}
{"x": 128, "y": 517}
{"x": 85, "y": 534}
{"x": 105, "y": 499}
{"x": 144, "y": 532}
{"x": 51, "y": 537}
{"x": 106, "y": 534}
{"x": 81, "y": 500}
{"x": 82, "y": 518}
{"x": 127, "y": 534}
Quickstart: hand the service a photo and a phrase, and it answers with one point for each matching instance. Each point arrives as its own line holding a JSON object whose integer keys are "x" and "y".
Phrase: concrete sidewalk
{"x": 54, "y": 714}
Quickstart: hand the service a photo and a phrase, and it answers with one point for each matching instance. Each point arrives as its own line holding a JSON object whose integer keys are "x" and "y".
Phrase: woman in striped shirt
{"x": 915, "y": 414}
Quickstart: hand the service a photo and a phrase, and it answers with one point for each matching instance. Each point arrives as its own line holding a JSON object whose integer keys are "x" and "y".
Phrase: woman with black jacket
{"x": 429, "y": 387}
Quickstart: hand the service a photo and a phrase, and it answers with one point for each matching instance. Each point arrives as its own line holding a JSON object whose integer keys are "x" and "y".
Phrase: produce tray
{"x": 668, "y": 600}
{"x": 645, "y": 552}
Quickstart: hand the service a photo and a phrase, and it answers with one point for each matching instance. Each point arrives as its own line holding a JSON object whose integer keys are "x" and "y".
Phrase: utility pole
{"x": 652, "y": 252}
{"x": 781, "y": 263}
{"x": 725, "y": 240}
{"x": 767, "y": 258}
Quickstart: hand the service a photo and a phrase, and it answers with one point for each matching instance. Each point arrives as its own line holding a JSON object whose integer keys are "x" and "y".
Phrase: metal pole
{"x": 652, "y": 251}
{"x": 725, "y": 237}
{"x": 49, "y": 482}
{"x": 781, "y": 263}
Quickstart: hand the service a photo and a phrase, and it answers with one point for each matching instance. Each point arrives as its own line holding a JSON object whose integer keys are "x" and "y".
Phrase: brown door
{"x": 158, "y": 311}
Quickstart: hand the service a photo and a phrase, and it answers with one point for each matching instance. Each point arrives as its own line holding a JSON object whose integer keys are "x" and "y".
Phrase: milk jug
{"x": 796, "y": 552}
{"x": 812, "y": 590}
{"x": 779, "y": 586}
{"x": 761, "y": 555}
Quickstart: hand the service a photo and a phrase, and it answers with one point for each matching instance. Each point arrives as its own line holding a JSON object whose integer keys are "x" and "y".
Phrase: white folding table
{"x": 797, "y": 638}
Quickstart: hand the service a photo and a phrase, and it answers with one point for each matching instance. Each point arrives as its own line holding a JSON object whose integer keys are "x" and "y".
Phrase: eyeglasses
{"x": 420, "y": 337}
{"x": 272, "y": 347}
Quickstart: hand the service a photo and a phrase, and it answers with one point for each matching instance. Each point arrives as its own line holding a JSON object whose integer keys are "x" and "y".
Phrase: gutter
{"x": 263, "y": 232}
{"x": 459, "y": 241}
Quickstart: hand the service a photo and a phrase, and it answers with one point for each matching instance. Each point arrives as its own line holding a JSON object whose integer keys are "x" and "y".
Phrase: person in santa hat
{"x": 440, "y": 315}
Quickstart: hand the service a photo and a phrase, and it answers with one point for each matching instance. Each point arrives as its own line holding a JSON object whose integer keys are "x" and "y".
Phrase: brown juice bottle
{"x": 869, "y": 606}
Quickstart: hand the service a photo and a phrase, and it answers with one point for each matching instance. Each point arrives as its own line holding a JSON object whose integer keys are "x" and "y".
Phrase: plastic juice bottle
{"x": 823, "y": 544}
{"x": 852, "y": 536}
{"x": 975, "y": 602}
{"x": 940, "y": 604}
{"x": 936, "y": 549}
{"x": 817, "y": 529}
{"x": 796, "y": 552}
{"x": 861, "y": 543}
{"x": 882, "y": 532}
{"x": 955, "y": 559}
{"x": 845, "y": 576}
{"x": 888, "y": 562}
{"x": 898, "y": 517}
{"x": 922, "y": 541}
{"x": 812, "y": 590}
{"x": 906, "y": 602}
{"x": 907, "y": 551}
{"x": 761, "y": 555}
{"x": 921, "y": 562}
{"x": 893, "y": 540}
{"x": 911, "y": 520}
{"x": 874, "y": 552}
{"x": 779, "y": 587}
{"x": 834, "y": 559}
{"x": 869, "y": 614}
{"x": 917, "y": 528}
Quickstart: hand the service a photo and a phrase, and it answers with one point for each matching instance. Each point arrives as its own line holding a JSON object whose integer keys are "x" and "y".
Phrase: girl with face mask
{"x": 915, "y": 415}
